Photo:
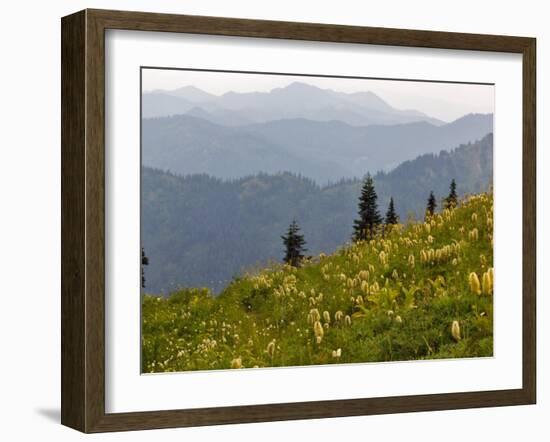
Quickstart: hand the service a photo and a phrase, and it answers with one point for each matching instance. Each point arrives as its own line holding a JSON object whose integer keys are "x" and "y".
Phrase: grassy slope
{"x": 373, "y": 302}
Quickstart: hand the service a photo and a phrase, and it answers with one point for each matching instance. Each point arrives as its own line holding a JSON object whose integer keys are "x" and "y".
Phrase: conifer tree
{"x": 391, "y": 216}
{"x": 430, "y": 208}
{"x": 452, "y": 200}
{"x": 369, "y": 218}
{"x": 144, "y": 262}
{"x": 294, "y": 245}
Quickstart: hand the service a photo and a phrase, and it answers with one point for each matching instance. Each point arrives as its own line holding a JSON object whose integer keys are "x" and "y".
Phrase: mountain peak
{"x": 192, "y": 93}
{"x": 189, "y": 88}
{"x": 297, "y": 87}
{"x": 369, "y": 100}
{"x": 297, "y": 99}
{"x": 301, "y": 85}
{"x": 470, "y": 118}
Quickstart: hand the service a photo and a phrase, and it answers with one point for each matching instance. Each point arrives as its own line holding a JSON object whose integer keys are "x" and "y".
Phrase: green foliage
{"x": 451, "y": 200}
{"x": 294, "y": 245}
{"x": 369, "y": 218}
{"x": 432, "y": 205}
{"x": 391, "y": 216}
{"x": 387, "y": 299}
{"x": 144, "y": 262}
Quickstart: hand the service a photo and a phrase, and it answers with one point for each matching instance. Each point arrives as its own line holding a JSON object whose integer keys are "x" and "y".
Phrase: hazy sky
{"x": 444, "y": 101}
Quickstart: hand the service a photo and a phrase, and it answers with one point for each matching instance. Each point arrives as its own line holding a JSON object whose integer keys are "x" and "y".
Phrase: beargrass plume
{"x": 424, "y": 291}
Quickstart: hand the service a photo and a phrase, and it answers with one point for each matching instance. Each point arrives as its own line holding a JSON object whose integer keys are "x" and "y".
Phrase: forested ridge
{"x": 322, "y": 150}
{"x": 202, "y": 231}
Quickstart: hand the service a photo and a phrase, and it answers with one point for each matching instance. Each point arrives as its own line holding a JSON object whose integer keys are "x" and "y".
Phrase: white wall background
{"x": 30, "y": 217}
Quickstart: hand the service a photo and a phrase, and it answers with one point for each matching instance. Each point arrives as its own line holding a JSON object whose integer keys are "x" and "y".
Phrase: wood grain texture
{"x": 95, "y": 221}
{"x": 83, "y": 220}
{"x": 145, "y": 21}
{"x": 73, "y": 128}
{"x": 529, "y": 220}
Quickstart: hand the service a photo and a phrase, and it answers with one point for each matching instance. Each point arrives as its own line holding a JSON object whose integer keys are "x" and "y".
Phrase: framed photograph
{"x": 270, "y": 220}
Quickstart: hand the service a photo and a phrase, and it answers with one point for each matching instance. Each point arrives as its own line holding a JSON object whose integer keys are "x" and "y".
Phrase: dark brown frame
{"x": 83, "y": 215}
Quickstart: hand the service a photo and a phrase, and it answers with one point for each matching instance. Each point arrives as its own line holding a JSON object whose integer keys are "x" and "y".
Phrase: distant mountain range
{"x": 322, "y": 150}
{"x": 297, "y": 100}
{"x": 201, "y": 231}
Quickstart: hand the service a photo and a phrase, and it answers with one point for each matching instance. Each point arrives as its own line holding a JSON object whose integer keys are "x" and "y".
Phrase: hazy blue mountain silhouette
{"x": 297, "y": 100}
{"x": 190, "y": 145}
{"x": 323, "y": 151}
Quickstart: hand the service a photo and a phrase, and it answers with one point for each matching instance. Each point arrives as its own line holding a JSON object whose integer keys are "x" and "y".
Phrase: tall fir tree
{"x": 144, "y": 262}
{"x": 391, "y": 216}
{"x": 432, "y": 204}
{"x": 369, "y": 218}
{"x": 452, "y": 200}
{"x": 294, "y": 245}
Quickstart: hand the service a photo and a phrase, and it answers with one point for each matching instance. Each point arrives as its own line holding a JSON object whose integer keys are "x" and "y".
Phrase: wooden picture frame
{"x": 83, "y": 220}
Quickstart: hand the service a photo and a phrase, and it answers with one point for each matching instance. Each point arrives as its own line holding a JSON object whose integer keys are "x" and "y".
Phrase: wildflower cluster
{"x": 423, "y": 290}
